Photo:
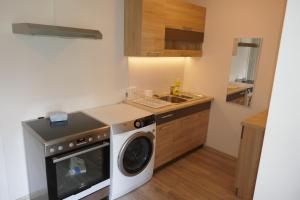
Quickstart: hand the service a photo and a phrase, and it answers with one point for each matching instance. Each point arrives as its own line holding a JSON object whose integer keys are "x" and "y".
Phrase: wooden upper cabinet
{"x": 163, "y": 28}
{"x": 153, "y": 28}
{"x": 144, "y": 27}
{"x": 184, "y": 28}
{"x": 184, "y": 16}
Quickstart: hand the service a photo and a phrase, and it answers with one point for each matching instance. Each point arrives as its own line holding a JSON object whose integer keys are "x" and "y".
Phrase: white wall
{"x": 226, "y": 20}
{"x": 3, "y": 182}
{"x": 278, "y": 176}
{"x": 40, "y": 74}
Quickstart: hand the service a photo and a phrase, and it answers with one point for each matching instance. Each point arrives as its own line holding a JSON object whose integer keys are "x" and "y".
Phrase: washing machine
{"x": 132, "y": 146}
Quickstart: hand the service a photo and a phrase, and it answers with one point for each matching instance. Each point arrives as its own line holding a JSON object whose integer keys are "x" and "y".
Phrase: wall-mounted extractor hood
{"x": 57, "y": 31}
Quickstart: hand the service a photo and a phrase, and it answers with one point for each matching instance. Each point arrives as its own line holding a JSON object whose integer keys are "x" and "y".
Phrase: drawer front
{"x": 166, "y": 117}
{"x": 193, "y": 109}
{"x": 237, "y": 95}
{"x": 176, "y": 114}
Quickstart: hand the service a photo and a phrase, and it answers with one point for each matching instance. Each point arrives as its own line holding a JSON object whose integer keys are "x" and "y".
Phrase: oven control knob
{"x": 52, "y": 150}
{"x": 90, "y": 139}
{"x": 138, "y": 124}
{"x": 60, "y": 148}
{"x": 71, "y": 145}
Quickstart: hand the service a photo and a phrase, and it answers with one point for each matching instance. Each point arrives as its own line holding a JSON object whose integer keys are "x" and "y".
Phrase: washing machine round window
{"x": 136, "y": 153}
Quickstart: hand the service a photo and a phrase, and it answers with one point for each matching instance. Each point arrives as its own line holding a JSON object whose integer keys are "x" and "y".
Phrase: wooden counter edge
{"x": 237, "y": 90}
{"x": 257, "y": 121}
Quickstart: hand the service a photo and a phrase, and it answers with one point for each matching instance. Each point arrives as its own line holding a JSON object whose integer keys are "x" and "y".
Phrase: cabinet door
{"x": 192, "y": 132}
{"x": 183, "y": 138}
{"x": 182, "y": 53}
{"x": 185, "y": 16}
{"x": 201, "y": 128}
{"x": 132, "y": 27}
{"x": 144, "y": 30}
{"x": 153, "y": 27}
{"x": 164, "y": 142}
{"x": 248, "y": 161}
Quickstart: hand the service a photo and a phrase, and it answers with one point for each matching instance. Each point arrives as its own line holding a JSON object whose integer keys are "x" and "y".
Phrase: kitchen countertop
{"x": 236, "y": 90}
{"x": 257, "y": 121}
{"x": 173, "y": 106}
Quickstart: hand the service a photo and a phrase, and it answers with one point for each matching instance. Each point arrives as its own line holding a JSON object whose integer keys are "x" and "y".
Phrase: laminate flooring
{"x": 201, "y": 175}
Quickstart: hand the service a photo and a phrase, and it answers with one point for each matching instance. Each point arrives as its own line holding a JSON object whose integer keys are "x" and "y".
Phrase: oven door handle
{"x": 59, "y": 159}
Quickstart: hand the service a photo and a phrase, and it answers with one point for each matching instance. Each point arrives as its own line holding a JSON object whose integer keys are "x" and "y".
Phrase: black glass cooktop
{"x": 77, "y": 123}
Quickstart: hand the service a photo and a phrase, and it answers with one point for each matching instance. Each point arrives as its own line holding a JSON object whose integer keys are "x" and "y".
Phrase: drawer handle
{"x": 167, "y": 116}
{"x": 186, "y": 28}
{"x": 153, "y": 53}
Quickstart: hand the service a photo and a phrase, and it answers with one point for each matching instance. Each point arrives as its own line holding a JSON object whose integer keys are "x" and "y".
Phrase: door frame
{"x": 3, "y": 183}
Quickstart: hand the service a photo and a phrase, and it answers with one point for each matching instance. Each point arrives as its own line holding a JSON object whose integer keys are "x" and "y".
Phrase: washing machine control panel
{"x": 138, "y": 124}
{"x": 146, "y": 121}
{"x": 133, "y": 125}
{"x": 89, "y": 138}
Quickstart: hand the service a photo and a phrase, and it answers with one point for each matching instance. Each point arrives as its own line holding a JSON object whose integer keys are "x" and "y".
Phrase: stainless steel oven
{"x": 69, "y": 161}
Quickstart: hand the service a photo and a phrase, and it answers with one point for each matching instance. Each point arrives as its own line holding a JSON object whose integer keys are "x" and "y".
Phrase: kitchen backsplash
{"x": 157, "y": 74}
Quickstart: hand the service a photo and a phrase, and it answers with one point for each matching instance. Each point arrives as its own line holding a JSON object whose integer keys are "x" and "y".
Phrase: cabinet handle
{"x": 59, "y": 159}
{"x": 153, "y": 53}
{"x": 236, "y": 191}
{"x": 187, "y": 28}
{"x": 242, "y": 134}
{"x": 167, "y": 116}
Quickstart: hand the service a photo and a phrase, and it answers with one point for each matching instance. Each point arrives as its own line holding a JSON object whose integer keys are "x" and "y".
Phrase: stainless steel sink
{"x": 173, "y": 99}
{"x": 184, "y": 96}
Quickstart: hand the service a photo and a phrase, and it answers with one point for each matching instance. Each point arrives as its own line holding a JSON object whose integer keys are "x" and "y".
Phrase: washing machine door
{"x": 136, "y": 153}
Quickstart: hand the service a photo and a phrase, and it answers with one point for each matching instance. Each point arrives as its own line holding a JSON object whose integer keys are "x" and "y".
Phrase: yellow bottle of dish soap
{"x": 176, "y": 89}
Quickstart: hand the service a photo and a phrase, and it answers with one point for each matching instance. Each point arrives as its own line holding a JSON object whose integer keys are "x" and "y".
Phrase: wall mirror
{"x": 245, "y": 57}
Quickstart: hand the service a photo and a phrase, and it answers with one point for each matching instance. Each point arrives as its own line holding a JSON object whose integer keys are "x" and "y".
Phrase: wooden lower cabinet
{"x": 192, "y": 132}
{"x": 238, "y": 98}
{"x": 164, "y": 142}
{"x": 249, "y": 155}
{"x": 241, "y": 100}
{"x": 180, "y": 136}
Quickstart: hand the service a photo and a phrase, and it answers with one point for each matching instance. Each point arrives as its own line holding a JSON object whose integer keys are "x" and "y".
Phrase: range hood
{"x": 56, "y": 31}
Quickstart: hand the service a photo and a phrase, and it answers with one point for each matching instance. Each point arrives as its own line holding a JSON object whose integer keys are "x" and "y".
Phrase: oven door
{"x": 71, "y": 173}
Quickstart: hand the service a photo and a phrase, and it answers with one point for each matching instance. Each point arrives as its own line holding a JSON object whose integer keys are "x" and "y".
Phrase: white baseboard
{"x": 24, "y": 198}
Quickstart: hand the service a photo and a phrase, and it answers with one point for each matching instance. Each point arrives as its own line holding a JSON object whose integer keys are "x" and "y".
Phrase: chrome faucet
{"x": 172, "y": 90}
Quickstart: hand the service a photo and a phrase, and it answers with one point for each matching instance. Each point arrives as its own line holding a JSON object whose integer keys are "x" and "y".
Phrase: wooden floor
{"x": 203, "y": 174}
